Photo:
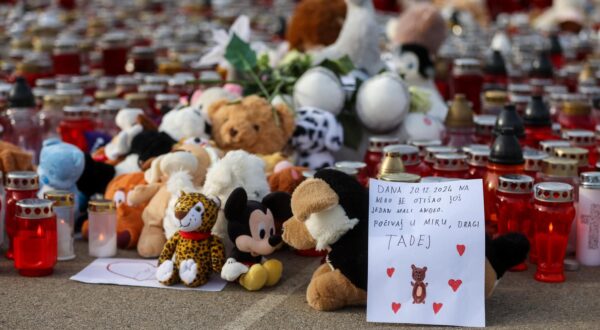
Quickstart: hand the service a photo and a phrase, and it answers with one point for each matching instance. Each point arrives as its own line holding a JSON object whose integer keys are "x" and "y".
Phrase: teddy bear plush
{"x": 286, "y": 177}
{"x": 193, "y": 253}
{"x": 317, "y": 135}
{"x": 330, "y": 212}
{"x": 13, "y": 158}
{"x": 315, "y": 24}
{"x": 61, "y": 166}
{"x": 252, "y": 124}
{"x": 236, "y": 169}
{"x": 192, "y": 159}
{"x": 183, "y": 123}
{"x": 251, "y": 226}
{"x": 129, "y": 218}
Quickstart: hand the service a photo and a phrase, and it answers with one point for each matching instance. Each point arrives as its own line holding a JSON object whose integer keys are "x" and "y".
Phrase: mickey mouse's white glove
{"x": 232, "y": 270}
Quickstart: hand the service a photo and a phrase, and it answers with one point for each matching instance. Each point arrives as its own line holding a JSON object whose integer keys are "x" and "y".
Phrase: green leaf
{"x": 240, "y": 55}
{"x": 352, "y": 129}
{"x": 341, "y": 66}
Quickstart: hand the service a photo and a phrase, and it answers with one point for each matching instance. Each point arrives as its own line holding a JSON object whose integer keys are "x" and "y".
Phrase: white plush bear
{"x": 184, "y": 123}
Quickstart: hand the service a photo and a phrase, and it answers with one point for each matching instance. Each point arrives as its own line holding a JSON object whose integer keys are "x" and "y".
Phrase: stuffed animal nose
{"x": 274, "y": 240}
{"x": 180, "y": 215}
{"x": 233, "y": 132}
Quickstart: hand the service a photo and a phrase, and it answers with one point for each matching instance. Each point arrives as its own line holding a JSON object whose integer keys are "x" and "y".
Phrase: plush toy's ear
{"x": 154, "y": 173}
{"x": 215, "y": 107}
{"x": 286, "y": 118}
{"x": 425, "y": 268}
{"x": 236, "y": 204}
{"x": 413, "y": 267}
{"x": 146, "y": 123}
{"x": 280, "y": 204}
{"x": 215, "y": 200}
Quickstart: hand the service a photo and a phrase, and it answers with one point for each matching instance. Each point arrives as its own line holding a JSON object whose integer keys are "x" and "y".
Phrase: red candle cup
{"x": 533, "y": 161}
{"x": 114, "y": 53}
{"x": 477, "y": 160}
{"x": 66, "y": 59}
{"x": 142, "y": 60}
{"x": 586, "y": 140}
{"x": 75, "y": 124}
{"x": 553, "y": 213}
{"x": 19, "y": 186}
{"x": 374, "y": 153}
{"x": 426, "y": 166}
{"x": 484, "y": 127}
{"x": 514, "y": 198}
{"x": 451, "y": 165}
{"x": 467, "y": 79}
{"x": 576, "y": 115}
{"x": 35, "y": 238}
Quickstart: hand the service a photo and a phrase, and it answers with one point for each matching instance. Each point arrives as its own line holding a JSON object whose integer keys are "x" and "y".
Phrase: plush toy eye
{"x": 272, "y": 231}
{"x": 256, "y": 127}
{"x": 198, "y": 209}
{"x": 262, "y": 234}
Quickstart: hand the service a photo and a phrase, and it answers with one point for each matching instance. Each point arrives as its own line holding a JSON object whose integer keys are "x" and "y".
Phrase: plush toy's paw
{"x": 274, "y": 269}
{"x": 255, "y": 279}
{"x": 232, "y": 270}
{"x": 164, "y": 272}
{"x": 188, "y": 271}
{"x": 332, "y": 290}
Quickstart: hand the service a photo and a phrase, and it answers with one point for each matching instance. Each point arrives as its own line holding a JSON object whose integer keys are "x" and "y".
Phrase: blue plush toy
{"x": 61, "y": 165}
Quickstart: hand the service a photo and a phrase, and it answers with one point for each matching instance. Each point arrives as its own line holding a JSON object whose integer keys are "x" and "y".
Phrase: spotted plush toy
{"x": 193, "y": 253}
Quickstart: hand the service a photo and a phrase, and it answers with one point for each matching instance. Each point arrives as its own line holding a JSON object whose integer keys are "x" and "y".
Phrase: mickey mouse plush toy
{"x": 251, "y": 226}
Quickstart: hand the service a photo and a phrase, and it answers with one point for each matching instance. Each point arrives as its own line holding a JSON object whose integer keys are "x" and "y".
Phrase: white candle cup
{"x": 588, "y": 220}
{"x": 102, "y": 231}
{"x": 64, "y": 208}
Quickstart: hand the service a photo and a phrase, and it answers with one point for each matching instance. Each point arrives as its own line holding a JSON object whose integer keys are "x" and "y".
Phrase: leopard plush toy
{"x": 193, "y": 253}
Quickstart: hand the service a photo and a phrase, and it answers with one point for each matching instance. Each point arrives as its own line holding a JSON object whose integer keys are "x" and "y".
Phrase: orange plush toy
{"x": 286, "y": 177}
{"x": 315, "y": 24}
{"x": 13, "y": 158}
{"x": 129, "y": 218}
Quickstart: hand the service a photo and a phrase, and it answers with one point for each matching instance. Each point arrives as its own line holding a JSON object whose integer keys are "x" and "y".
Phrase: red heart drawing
{"x": 437, "y": 307}
{"x": 454, "y": 284}
{"x": 396, "y": 307}
{"x": 390, "y": 271}
{"x": 461, "y": 249}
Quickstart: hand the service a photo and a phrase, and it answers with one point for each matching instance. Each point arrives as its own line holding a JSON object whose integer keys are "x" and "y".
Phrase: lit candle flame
{"x": 101, "y": 237}
{"x": 40, "y": 231}
{"x": 62, "y": 222}
{"x": 551, "y": 227}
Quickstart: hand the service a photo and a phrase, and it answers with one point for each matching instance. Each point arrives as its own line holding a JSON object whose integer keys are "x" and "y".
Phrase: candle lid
{"x": 506, "y": 149}
{"x": 166, "y": 98}
{"x": 478, "y": 157}
{"x": 580, "y": 137}
{"x": 509, "y": 117}
{"x": 450, "y": 162}
{"x": 515, "y": 184}
{"x": 34, "y": 208}
{"x": 559, "y": 167}
{"x": 533, "y": 159}
{"x": 537, "y": 112}
{"x": 431, "y": 151}
{"x": 24, "y": 180}
{"x": 400, "y": 177}
{"x": 409, "y": 154}
{"x": 60, "y": 198}
{"x": 554, "y": 192}
{"x": 435, "y": 179}
{"x": 103, "y": 95}
{"x": 590, "y": 180}
{"x": 466, "y": 65}
{"x": 377, "y": 143}
{"x": 150, "y": 88}
{"x": 496, "y": 97}
{"x": 576, "y": 108}
{"x": 555, "y": 89}
{"x": 495, "y": 64}
{"x": 423, "y": 144}
{"x": 76, "y": 110}
{"x": 542, "y": 66}
{"x": 350, "y": 164}
{"x": 308, "y": 173}
{"x": 578, "y": 154}
{"x": 157, "y": 79}
{"x": 126, "y": 80}
{"x": 460, "y": 113}
{"x": 548, "y": 146}
{"x": 21, "y": 96}
{"x": 101, "y": 205}
{"x": 484, "y": 124}
{"x": 522, "y": 89}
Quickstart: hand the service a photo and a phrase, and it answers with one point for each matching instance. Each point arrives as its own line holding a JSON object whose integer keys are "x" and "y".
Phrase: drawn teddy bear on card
{"x": 419, "y": 291}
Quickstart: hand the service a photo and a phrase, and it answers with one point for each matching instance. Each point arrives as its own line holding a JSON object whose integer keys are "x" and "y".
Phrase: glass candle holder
{"x": 484, "y": 127}
{"x": 410, "y": 157}
{"x": 35, "y": 238}
{"x": 576, "y": 115}
{"x": 374, "y": 153}
{"x": 548, "y": 146}
{"x": 63, "y": 205}
{"x": 467, "y": 79}
{"x": 114, "y": 53}
{"x": 426, "y": 166}
{"x": 164, "y": 103}
{"x": 423, "y": 144}
{"x": 75, "y": 124}
{"x": 451, "y": 165}
{"x": 588, "y": 220}
{"x": 578, "y": 154}
{"x": 584, "y": 139}
{"x": 553, "y": 214}
{"x": 477, "y": 160}
{"x": 533, "y": 161}
{"x": 460, "y": 128}
{"x": 359, "y": 168}
{"x": 392, "y": 161}
{"x": 142, "y": 60}
{"x": 66, "y": 59}
{"x": 514, "y": 198}
{"x": 125, "y": 85}
{"x": 493, "y": 102}
{"x": 19, "y": 186}
{"x": 102, "y": 230}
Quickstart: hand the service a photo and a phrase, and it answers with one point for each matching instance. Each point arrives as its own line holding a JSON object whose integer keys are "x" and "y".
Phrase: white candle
{"x": 65, "y": 240}
{"x": 103, "y": 247}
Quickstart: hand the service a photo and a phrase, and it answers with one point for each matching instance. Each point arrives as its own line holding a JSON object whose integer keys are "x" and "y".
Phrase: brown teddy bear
{"x": 189, "y": 158}
{"x": 251, "y": 124}
{"x": 315, "y": 24}
{"x": 13, "y": 158}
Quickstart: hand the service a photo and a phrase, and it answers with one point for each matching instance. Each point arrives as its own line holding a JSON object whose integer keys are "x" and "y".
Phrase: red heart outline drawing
{"x": 454, "y": 284}
{"x": 396, "y": 307}
{"x": 461, "y": 249}
{"x": 437, "y": 307}
{"x": 390, "y": 271}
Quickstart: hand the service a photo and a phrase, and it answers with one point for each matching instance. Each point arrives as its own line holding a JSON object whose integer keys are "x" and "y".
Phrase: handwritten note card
{"x": 426, "y": 253}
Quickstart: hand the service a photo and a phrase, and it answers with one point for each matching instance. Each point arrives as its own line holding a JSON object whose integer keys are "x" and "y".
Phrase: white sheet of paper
{"x": 435, "y": 225}
{"x": 135, "y": 272}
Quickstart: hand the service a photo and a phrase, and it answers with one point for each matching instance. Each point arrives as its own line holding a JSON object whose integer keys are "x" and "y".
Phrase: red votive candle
{"x": 451, "y": 165}
{"x": 66, "y": 59}
{"x": 553, "y": 213}
{"x": 467, "y": 79}
{"x": 75, "y": 123}
{"x": 19, "y": 186}
{"x": 374, "y": 153}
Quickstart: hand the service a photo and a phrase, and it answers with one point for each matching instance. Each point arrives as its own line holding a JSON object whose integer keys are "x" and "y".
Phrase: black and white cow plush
{"x": 318, "y": 133}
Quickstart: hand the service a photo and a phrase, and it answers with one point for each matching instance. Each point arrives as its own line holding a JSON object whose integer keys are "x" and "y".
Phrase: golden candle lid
{"x": 60, "y": 198}
{"x": 578, "y": 154}
{"x": 587, "y": 73}
{"x": 169, "y": 67}
{"x": 103, "y": 95}
{"x": 576, "y": 108}
{"x": 391, "y": 163}
{"x": 560, "y": 167}
{"x": 134, "y": 97}
{"x": 101, "y": 205}
{"x": 496, "y": 96}
{"x": 56, "y": 101}
{"x": 400, "y": 177}
{"x": 460, "y": 113}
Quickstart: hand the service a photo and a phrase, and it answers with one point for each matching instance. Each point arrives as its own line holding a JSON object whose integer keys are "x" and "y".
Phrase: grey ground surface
{"x": 56, "y": 302}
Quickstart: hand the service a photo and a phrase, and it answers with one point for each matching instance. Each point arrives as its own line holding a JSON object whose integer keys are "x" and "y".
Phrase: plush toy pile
{"x": 223, "y": 140}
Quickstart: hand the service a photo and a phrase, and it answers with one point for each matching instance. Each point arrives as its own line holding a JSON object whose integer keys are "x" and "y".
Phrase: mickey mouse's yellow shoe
{"x": 255, "y": 279}
{"x": 274, "y": 269}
